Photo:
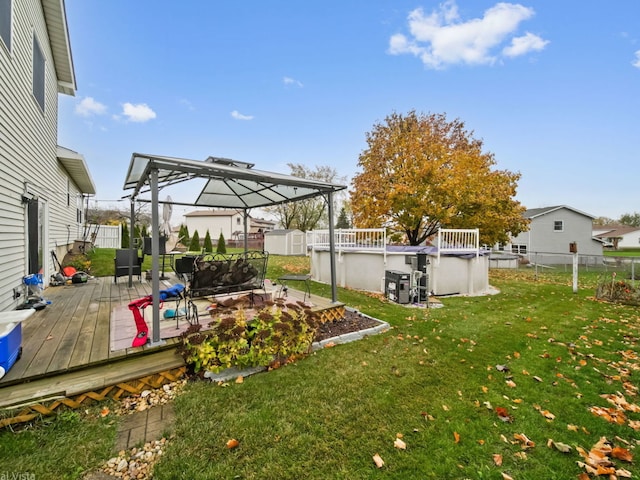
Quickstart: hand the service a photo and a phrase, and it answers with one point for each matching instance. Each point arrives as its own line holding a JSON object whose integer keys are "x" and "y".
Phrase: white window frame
{"x": 519, "y": 248}
{"x": 558, "y": 223}
{"x": 39, "y": 73}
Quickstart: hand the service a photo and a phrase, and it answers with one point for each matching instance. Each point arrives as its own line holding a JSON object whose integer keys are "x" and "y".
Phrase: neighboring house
{"x": 618, "y": 236}
{"x": 42, "y": 184}
{"x": 228, "y": 222}
{"x": 552, "y": 230}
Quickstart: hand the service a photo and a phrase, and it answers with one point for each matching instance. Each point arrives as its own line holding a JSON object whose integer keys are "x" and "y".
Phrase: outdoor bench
{"x": 223, "y": 274}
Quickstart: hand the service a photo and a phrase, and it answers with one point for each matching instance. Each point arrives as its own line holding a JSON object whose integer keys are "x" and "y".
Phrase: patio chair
{"x": 121, "y": 264}
{"x": 183, "y": 267}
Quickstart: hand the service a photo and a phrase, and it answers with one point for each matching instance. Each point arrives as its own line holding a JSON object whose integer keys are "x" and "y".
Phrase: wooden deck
{"x": 67, "y": 346}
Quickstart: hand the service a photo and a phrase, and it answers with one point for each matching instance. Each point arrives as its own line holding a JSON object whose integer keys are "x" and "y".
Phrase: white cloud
{"x": 88, "y": 107}
{"x": 292, "y": 81}
{"x": 636, "y": 62}
{"x": 442, "y": 38}
{"x": 522, "y": 45}
{"x": 238, "y": 116}
{"x": 187, "y": 104}
{"x": 140, "y": 112}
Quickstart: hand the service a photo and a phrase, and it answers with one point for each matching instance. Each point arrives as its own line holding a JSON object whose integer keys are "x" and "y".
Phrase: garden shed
{"x": 285, "y": 242}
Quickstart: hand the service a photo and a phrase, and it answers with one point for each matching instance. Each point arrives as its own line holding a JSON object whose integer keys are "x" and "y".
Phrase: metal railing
{"x": 374, "y": 239}
{"x": 452, "y": 240}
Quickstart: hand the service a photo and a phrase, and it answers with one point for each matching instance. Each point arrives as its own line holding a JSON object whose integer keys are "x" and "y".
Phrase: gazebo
{"x": 228, "y": 184}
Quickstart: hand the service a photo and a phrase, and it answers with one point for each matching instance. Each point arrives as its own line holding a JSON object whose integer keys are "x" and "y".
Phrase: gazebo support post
{"x": 131, "y": 235}
{"x": 245, "y": 226}
{"x": 332, "y": 250}
{"x": 155, "y": 253}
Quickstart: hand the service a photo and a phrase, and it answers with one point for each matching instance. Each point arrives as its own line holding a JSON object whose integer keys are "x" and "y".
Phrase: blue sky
{"x": 551, "y": 87}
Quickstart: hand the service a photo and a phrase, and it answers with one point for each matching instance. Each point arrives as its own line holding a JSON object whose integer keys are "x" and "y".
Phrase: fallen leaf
{"x": 562, "y": 447}
{"x": 506, "y": 476}
{"x": 622, "y": 454}
{"x": 456, "y": 436}
{"x": 547, "y": 414}
{"x": 537, "y": 379}
{"x": 503, "y": 414}
{"x": 445, "y": 408}
{"x": 240, "y": 379}
{"x": 104, "y": 412}
{"x": 511, "y": 383}
{"x": 622, "y": 473}
{"x": 524, "y": 441}
{"x": 497, "y": 459}
{"x": 399, "y": 444}
{"x": 573, "y": 428}
{"x": 233, "y": 443}
{"x": 377, "y": 459}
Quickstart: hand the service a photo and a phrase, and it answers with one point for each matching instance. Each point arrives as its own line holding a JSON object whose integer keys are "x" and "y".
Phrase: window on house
{"x": 558, "y": 226}
{"x": 38, "y": 73}
{"x": 519, "y": 248}
{"x": 5, "y": 22}
{"x": 237, "y": 220}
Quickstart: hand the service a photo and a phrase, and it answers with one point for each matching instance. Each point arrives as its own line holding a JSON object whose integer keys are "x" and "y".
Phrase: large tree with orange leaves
{"x": 422, "y": 172}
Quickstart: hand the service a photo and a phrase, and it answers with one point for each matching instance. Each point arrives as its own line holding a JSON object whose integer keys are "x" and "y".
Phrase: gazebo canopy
{"x": 228, "y": 184}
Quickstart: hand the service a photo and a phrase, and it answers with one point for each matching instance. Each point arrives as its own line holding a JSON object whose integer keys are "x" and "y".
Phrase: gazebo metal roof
{"x": 228, "y": 184}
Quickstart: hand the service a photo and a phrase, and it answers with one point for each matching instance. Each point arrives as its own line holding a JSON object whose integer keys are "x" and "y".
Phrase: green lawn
{"x": 536, "y": 352}
{"x": 625, "y": 252}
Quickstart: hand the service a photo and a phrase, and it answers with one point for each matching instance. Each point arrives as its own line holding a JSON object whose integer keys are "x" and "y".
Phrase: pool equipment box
{"x": 397, "y": 286}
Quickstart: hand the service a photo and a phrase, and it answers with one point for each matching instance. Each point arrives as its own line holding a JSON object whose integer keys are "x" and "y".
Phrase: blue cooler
{"x": 10, "y": 345}
{"x": 11, "y": 337}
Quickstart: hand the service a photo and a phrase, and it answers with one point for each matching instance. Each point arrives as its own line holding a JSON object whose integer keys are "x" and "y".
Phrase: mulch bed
{"x": 351, "y": 322}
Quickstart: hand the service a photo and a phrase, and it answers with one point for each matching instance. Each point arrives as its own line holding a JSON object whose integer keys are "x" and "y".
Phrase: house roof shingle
{"x": 538, "y": 212}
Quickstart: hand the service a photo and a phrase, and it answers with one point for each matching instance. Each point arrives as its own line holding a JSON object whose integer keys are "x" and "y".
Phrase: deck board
{"x": 84, "y": 343}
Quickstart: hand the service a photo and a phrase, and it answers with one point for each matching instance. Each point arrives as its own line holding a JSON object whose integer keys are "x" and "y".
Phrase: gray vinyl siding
{"x": 28, "y": 138}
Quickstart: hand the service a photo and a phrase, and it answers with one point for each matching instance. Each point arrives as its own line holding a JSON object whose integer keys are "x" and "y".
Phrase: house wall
{"x": 28, "y": 138}
{"x": 630, "y": 240}
{"x": 541, "y": 236}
